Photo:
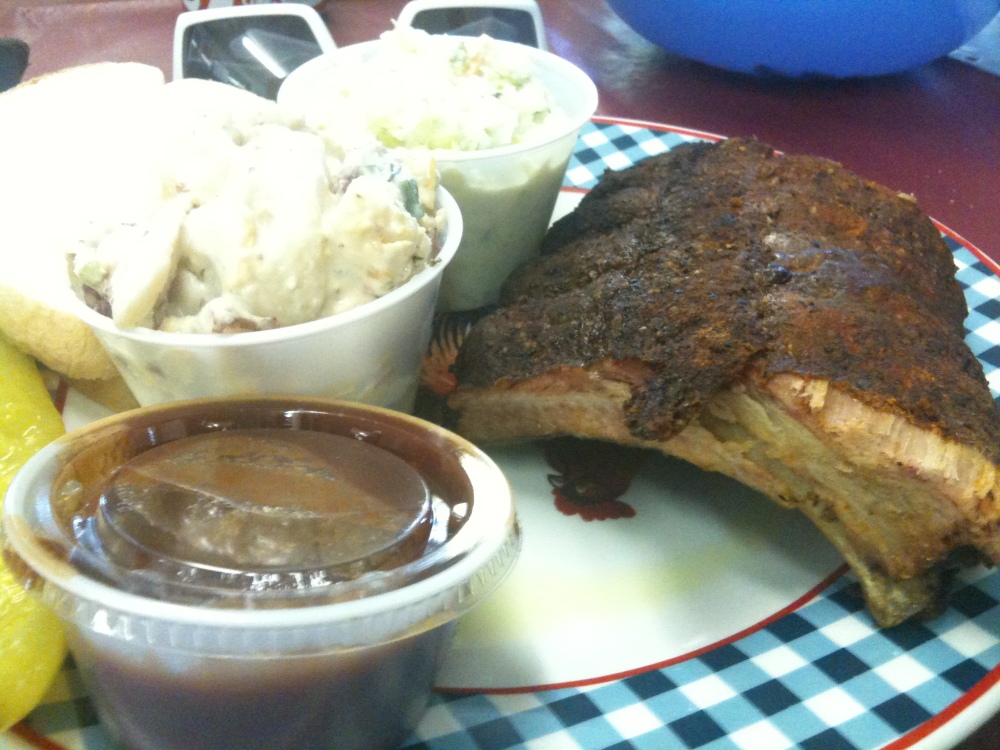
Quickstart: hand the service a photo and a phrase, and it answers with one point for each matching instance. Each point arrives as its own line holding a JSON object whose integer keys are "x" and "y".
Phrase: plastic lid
{"x": 256, "y": 525}
{"x": 255, "y": 510}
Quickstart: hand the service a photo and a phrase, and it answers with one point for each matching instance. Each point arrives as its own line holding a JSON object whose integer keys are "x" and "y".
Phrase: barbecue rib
{"x": 774, "y": 318}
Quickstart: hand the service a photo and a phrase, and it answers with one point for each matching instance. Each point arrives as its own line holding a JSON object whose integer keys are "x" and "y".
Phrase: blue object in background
{"x": 809, "y": 38}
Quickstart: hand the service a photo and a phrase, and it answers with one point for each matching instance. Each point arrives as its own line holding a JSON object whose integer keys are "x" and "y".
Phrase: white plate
{"x": 710, "y": 618}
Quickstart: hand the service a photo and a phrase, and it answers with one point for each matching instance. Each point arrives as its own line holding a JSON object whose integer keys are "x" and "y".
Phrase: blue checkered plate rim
{"x": 815, "y": 673}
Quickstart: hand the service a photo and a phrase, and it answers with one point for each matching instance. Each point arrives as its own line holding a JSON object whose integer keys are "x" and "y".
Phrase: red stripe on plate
{"x": 994, "y": 266}
{"x": 33, "y": 738}
{"x": 660, "y": 127}
{"x": 797, "y": 604}
{"x": 939, "y": 720}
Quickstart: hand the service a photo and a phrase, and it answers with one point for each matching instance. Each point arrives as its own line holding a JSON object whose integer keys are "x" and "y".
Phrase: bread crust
{"x": 58, "y": 339}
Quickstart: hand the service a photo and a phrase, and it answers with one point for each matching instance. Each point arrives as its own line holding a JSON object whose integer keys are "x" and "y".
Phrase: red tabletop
{"x": 933, "y": 132}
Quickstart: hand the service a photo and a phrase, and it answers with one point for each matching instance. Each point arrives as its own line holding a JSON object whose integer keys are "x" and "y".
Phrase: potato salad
{"x": 249, "y": 220}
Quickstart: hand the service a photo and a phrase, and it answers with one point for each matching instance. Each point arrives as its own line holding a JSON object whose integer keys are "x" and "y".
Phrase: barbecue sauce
{"x": 263, "y": 509}
{"x": 368, "y": 698}
{"x": 324, "y": 518}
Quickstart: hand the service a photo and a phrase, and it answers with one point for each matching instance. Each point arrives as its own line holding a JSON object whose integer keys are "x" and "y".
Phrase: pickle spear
{"x": 32, "y": 647}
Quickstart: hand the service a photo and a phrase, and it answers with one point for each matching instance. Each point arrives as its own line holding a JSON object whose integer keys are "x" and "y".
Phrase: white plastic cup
{"x": 369, "y": 354}
{"x": 506, "y": 193}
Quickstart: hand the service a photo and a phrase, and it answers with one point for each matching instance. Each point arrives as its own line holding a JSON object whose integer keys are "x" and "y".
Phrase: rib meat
{"x": 774, "y": 318}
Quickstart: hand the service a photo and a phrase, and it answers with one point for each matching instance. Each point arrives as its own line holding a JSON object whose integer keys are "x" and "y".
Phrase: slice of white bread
{"x": 70, "y": 142}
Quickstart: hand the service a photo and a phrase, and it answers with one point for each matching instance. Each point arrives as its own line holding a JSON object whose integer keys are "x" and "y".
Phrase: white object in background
{"x": 511, "y": 20}
{"x": 321, "y": 40}
{"x": 213, "y": 4}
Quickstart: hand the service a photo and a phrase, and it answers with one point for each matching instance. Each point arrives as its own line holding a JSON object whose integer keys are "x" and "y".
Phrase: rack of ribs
{"x": 775, "y": 318}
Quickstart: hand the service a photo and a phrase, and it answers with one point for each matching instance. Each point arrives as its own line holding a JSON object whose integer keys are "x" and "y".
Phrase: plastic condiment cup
{"x": 181, "y": 655}
{"x": 369, "y": 354}
{"x": 506, "y": 194}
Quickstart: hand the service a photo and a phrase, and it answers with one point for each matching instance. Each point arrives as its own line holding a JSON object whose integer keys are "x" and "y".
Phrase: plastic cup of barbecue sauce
{"x": 260, "y": 573}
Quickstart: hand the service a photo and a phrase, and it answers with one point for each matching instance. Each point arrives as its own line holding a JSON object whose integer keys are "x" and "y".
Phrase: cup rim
{"x": 489, "y": 539}
{"x": 103, "y": 324}
{"x": 291, "y": 92}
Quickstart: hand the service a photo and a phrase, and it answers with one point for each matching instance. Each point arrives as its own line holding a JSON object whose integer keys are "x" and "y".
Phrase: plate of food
{"x": 657, "y": 604}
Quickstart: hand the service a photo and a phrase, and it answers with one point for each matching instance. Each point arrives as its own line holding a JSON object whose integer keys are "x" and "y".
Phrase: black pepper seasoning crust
{"x": 712, "y": 259}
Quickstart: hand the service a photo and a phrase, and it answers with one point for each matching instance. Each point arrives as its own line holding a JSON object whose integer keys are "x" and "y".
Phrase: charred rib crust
{"x": 712, "y": 257}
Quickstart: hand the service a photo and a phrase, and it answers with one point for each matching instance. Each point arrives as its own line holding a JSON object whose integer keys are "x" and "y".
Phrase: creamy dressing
{"x": 441, "y": 92}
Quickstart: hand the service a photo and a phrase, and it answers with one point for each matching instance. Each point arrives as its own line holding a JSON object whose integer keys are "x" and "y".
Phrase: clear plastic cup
{"x": 185, "y": 644}
{"x": 506, "y": 193}
{"x": 369, "y": 354}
